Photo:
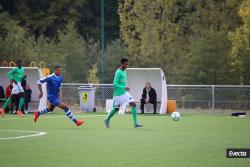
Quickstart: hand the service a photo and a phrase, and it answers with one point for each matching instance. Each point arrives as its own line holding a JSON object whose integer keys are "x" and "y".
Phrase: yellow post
{"x": 45, "y": 71}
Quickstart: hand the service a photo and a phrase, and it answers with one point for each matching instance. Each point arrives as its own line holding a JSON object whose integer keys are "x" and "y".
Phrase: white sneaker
{"x": 138, "y": 125}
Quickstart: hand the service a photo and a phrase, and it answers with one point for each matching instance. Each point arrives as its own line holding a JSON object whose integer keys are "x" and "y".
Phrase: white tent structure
{"x": 33, "y": 75}
{"x": 136, "y": 79}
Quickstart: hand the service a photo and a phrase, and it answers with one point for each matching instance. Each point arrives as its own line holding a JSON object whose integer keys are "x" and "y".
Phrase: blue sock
{"x": 70, "y": 115}
{"x": 43, "y": 111}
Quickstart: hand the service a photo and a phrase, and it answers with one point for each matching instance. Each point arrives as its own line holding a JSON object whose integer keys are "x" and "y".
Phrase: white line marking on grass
{"x": 49, "y": 117}
{"x": 23, "y": 136}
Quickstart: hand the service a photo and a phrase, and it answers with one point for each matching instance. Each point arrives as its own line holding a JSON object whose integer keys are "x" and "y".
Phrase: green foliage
{"x": 14, "y": 41}
{"x": 69, "y": 50}
{"x": 71, "y": 46}
{"x": 240, "y": 51}
{"x": 208, "y": 60}
{"x": 62, "y": 32}
{"x": 93, "y": 75}
{"x": 193, "y": 41}
{"x": 161, "y": 33}
{"x": 46, "y": 17}
{"x": 114, "y": 52}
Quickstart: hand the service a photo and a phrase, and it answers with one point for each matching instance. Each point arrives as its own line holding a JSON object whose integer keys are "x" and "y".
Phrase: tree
{"x": 46, "y": 17}
{"x": 114, "y": 52}
{"x": 240, "y": 50}
{"x": 93, "y": 75}
{"x": 14, "y": 41}
{"x": 208, "y": 62}
{"x": 160, "y": 33}
{"x": 72, "y": 49}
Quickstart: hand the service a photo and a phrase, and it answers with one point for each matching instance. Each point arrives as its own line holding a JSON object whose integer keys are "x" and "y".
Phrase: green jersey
{"x": 16, "y": 74}
{"x": 120, "y": 82}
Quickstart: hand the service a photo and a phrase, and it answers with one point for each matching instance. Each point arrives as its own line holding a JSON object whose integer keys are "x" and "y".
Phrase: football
{"x": 176, "y": 116}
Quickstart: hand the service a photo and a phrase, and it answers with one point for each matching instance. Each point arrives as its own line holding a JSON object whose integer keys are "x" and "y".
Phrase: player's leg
{"x": 26, "y": 106}
{"x": 134, "y": 114}
{"x": 46, "y": 110}
{"x": 21, "y": 94}
{"x": 110, "y": 115}
{"x": 128, "y": 98}
{"x": 69, "y": 114}
{"x": 6, "y": 104}
{"x": 43, "y": 111}
{"x": 15, "y": 102}
{"x": 116, "y": 106}
{"x": 21, "y": 103}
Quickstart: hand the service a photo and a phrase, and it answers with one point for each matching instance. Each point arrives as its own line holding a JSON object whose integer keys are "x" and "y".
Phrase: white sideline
{"x": 22, "y": 131}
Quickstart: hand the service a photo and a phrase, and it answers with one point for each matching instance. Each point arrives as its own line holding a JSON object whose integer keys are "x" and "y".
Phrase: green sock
{"x": 6, "y": 104}
{"x": 134, "y": 115}
{"x": 111, "y": 113}
{"x": 21, "y": 103}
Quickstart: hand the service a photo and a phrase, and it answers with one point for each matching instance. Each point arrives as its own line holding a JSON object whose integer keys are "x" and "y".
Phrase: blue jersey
{"x": 53, "y": 84}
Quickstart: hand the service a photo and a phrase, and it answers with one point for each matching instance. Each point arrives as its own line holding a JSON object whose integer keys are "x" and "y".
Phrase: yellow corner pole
{"x": 12, "y": 64}
{"x": 42, "y": 64}
{"x": 32, "y": 64}
{"x": 45, "y": 71}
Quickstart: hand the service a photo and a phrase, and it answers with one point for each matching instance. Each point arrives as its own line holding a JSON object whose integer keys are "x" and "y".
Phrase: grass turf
{"x": 195, "y": 140}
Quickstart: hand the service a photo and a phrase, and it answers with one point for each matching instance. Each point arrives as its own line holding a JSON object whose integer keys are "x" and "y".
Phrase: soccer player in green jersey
{"x": 121, "y": 94}
{"x": 16, "y": 75}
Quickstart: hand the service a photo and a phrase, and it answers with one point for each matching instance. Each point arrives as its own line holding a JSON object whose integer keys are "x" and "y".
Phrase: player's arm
{"x": 41, "y": 91}
{"x": 25, "y": 76}
{"x": 60, "y": 92}
{"x": 40, "y": 82}
{"x": 11, "y": 74}
{"x": 60, "y": 89}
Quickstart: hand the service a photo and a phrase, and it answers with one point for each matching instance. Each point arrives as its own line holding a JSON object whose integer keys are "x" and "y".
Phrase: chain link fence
{"x": 211, "y": 98}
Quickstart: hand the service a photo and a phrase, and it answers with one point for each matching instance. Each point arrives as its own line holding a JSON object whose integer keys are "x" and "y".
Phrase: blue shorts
{"x": 54, "y": 100}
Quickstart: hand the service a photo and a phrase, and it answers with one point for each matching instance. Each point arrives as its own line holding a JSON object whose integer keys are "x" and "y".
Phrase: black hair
{"x": 57, "y": 66}
{"x": 124, "y": 60}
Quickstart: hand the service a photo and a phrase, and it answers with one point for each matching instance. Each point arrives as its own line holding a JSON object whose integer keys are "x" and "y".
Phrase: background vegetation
{"x": 193, "y": 41}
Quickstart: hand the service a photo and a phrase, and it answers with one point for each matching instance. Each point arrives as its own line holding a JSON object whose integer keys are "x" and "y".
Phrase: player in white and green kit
{"x": 121, "y": 94}
{"x": 16, "y": 75}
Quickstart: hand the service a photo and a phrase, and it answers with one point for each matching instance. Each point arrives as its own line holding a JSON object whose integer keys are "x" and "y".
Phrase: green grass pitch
{"x": 197, "y": 140}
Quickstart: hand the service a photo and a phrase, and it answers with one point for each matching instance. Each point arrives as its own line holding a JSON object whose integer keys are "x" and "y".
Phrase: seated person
{"x": 9, "y": 89}
{"x": 148, "y": 96}
{"x": 2, "y": 95}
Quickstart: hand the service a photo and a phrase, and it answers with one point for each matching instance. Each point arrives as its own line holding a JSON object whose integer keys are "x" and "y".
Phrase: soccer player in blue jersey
{"x": 53, "y": 90}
